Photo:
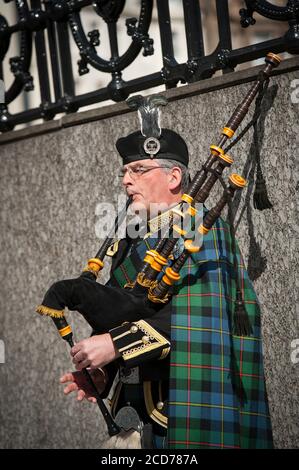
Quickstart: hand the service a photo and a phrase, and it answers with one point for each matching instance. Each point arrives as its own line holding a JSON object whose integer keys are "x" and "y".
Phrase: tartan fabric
{"x": 217, "y": 396}
{"x": 128, "y": 270}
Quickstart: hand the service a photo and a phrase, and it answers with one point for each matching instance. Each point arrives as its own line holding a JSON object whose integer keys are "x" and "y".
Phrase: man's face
{"x": 153, "y": 185}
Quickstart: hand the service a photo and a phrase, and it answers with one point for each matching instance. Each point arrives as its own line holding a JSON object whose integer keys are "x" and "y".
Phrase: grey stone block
{"x": 50, "y": 185}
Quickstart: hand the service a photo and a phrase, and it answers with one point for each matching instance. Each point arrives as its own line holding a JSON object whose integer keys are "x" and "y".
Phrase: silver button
{"x": 145, "y": 339}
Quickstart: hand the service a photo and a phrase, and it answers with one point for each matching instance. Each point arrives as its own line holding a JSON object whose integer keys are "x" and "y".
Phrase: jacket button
{"x": 160, "y": 405}
{"x": 145, "y": 339}
{"x": 134, "y": 329}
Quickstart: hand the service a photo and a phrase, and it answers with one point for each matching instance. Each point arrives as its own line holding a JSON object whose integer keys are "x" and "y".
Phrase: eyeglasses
{"x": 138, "y": 171}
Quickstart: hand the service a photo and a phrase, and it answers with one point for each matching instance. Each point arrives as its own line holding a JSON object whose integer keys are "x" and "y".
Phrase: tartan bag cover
{"x": 217, "y": 396}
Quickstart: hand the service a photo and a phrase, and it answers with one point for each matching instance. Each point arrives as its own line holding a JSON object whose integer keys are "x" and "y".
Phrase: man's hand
{"x": 78, "y": 383}
{"x": 94, "y": 352}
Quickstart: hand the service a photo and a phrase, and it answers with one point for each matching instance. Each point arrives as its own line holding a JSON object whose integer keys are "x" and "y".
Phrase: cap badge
{"x": 151, "y": 146}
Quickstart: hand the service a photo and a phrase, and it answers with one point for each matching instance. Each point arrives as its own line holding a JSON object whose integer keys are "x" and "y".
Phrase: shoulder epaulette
{"x": 112, "y": 249}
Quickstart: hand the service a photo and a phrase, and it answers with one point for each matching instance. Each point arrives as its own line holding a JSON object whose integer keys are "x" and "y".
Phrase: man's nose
{"x": 127, "y": 179}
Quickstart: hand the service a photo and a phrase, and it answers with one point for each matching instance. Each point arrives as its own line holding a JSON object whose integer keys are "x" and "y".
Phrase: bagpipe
{"x": 154, "y": 283}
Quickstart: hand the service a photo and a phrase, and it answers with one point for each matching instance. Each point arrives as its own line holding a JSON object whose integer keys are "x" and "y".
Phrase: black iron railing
{"x": 60, "y": 18}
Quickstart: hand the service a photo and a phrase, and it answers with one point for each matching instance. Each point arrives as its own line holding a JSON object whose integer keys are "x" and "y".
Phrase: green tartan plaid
{"x": 217, "y": 396}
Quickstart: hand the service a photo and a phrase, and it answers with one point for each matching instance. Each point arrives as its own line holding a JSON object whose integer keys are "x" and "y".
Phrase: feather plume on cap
{"x": 148, "y": 113}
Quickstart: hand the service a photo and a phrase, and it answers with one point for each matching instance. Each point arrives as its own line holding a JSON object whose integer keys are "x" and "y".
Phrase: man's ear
{"x": 175, "y": 178}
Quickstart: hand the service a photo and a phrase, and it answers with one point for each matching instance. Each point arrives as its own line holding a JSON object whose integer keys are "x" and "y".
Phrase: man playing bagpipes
{"x": 176, "y": 330}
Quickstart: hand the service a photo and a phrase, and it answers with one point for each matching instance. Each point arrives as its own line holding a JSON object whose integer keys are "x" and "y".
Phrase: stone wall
{"x": 53, "y": 176}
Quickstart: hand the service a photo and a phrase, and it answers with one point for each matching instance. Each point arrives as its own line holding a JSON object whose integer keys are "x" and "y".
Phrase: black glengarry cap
{"x": 152, "y": 141}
